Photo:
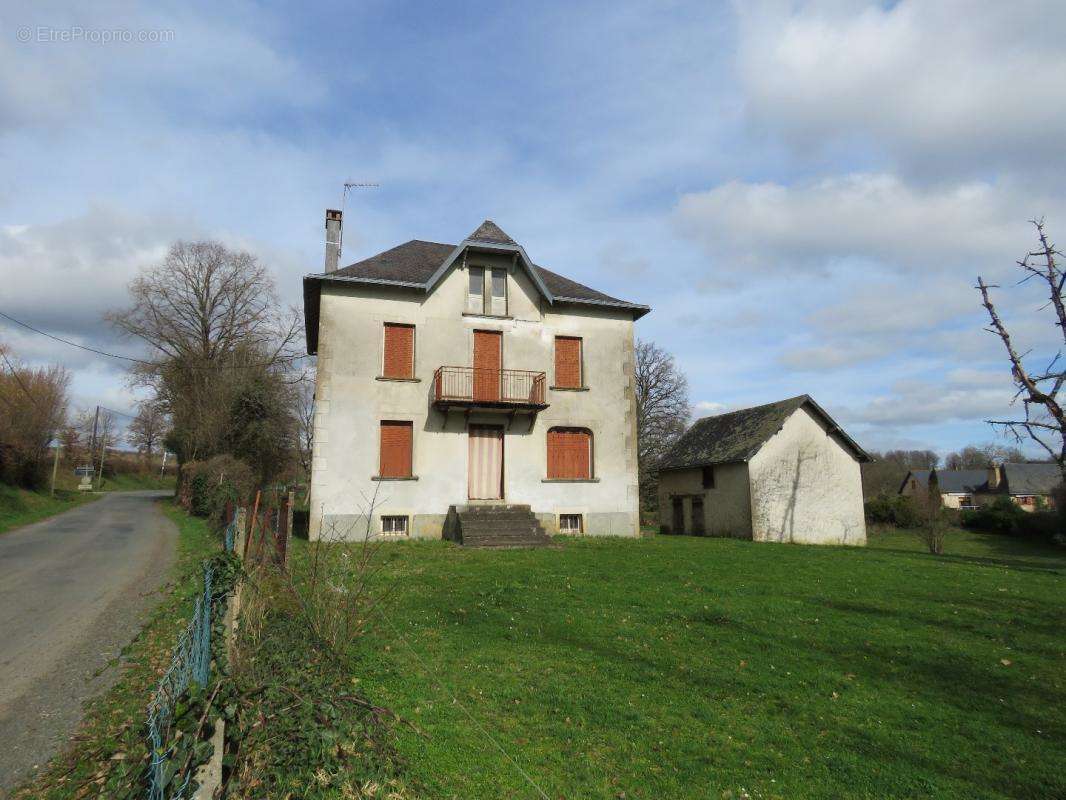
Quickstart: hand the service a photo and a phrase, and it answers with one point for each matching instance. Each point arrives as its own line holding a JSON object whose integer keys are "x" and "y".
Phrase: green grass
{"x": 108, "y": 751}
{"x": 20, "y": 507}
{"x": 679, "y": 667}
{"x": 135, "y": 481}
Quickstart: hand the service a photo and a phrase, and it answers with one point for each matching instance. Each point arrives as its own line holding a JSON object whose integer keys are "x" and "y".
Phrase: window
{"x": 499, "y": 292}
{"x": 708, "y": 477}
{"x": 569, "y": 454}
{"x": 398, "y": 359}
{"x": 394, "y": 525}
{"x": 570, "y": 523}
{"x": 487, "y": 292}
{"x": 395, "y": 459}
{"x": 475, "y": 299}
{"x": 568, "y": 362}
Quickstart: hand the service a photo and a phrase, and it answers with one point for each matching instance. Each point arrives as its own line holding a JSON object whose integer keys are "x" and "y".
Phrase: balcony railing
{"x": 491, "y": 388}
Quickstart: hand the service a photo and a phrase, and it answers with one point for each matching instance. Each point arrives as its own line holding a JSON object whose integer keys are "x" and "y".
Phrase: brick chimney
{"x": 333, "y": 239}
{"x": 993, "y": 477}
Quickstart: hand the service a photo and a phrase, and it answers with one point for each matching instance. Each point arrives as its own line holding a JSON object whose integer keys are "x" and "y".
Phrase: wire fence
{"x": 191, "y": 664}
{"x": 229, "y": 537}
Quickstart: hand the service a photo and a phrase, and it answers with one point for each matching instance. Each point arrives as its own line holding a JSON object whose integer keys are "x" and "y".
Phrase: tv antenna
{"x": 348, "y": 187}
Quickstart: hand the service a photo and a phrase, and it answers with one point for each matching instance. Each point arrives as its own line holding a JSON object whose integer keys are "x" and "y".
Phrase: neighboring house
{"x": 782, "y": 472}
{"x": 1028, "y": 485}
{"x": 457, "y": 376}
{"x": 959, "y": 488}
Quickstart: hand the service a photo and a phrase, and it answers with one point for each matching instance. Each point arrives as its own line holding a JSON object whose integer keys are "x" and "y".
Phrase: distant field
{"x": 679, "y": 667}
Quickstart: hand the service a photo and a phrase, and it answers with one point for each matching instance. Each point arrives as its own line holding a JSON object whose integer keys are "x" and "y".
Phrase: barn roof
{"x": 739, "y": 435}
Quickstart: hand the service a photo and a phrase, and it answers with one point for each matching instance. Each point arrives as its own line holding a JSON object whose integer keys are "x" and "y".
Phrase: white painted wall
{"x": 351, "y": 402}
{"x": 806, "y": 487}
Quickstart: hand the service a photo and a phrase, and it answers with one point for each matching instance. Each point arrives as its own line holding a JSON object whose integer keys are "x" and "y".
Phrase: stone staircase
{"x": 495, "y": 525}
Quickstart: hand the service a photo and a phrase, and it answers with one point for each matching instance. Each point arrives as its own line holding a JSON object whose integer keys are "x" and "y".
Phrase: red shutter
{"x": 399, "y": 360}
{"x": 568, "y": 362}
{"x": 396, "y": 449}
{"x": 569, "y": 454}
{"x": 488, "y": 362}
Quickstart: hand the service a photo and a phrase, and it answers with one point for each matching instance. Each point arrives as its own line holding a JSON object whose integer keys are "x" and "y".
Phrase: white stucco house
{"x": 469, "y": 393}
{"x": 781, "y": 472}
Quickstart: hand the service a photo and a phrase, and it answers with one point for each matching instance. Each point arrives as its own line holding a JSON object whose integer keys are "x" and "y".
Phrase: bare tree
{"x": 305, "y": 420}
{"x": 983, "y": 456}
{"x": 933, "y": 519}
{"x": 886, "y": 471}
{"x": 662, "y": 412}
{"x": 1044, "y": 420}
{"x": 147, "y": 428}
{"x": 221, "y": 348}
{"x": 33, "y": 408}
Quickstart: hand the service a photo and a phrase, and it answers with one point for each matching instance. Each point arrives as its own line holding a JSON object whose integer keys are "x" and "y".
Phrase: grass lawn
{"x": 134, "y": 481}
{"x": 108, "y": 751}
{"x": 679, "y": 667}
{"x": 20, "y": 507}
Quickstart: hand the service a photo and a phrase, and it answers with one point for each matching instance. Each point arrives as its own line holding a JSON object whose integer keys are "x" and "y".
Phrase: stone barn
{"x": 781, "y": 472}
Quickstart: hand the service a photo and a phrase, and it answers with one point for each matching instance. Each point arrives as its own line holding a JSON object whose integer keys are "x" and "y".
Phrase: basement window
{"x": 570, "y": 523}
{"x": 396, "y": 525}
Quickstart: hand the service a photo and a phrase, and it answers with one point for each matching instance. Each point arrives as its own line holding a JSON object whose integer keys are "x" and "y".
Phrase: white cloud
{"x": 224, "y": 58}
{"x": 863, "y": 216}
{"x": 941, "y": 85}
{"x": 961, "y": 396}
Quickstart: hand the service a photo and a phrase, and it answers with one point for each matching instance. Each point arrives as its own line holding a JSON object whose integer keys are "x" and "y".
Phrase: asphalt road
{"x": 74, "y": 590}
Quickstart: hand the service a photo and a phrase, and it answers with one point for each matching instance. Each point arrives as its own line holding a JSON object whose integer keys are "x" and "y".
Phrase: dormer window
{"x": 488, "y": 292}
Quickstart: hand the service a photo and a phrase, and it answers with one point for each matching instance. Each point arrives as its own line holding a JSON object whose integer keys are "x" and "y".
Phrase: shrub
{"x": 208, "y": 485}
{"x": 898, "y": 510}
{"x": 1002, "y": 516}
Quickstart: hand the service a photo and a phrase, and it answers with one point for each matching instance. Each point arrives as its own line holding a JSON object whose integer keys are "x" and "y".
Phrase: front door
{"x": 679, "y": 515}
{"x": 485, "y": 463}
{"x": 488, "y": 361}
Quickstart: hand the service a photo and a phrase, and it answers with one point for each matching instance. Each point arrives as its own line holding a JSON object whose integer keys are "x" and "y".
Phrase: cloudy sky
{"x": 803, "y": 192}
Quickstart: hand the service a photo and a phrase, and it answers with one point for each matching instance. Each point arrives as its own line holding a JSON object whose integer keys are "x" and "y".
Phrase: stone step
{"x": 499, "y": 526}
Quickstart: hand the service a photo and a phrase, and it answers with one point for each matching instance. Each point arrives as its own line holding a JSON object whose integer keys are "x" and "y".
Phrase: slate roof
{"x": 1031, "y": 478}
{"x": 489, "y": 231}
{"x": 413, "y": 264}
{"x": 952, "y": 481}
{"x": 739, "y": 435}
{"x": 1027, "y": 479}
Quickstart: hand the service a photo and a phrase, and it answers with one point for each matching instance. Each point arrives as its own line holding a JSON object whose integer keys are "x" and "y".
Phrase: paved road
{"x": 74, "y": 590}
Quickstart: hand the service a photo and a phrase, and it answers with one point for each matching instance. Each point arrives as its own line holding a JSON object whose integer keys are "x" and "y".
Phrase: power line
{"x": 140, "y": 360}
{"x": 20, "y": 383}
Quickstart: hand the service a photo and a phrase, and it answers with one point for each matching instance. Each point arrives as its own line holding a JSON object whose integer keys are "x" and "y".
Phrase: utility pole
{"x": 92, "y": 442}
{"x": 103, "y": 449}
{"x": 55, "y": 468}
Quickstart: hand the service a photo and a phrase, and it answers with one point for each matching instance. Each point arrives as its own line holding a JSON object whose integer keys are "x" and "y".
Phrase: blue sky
{"x": 804, "y": 192}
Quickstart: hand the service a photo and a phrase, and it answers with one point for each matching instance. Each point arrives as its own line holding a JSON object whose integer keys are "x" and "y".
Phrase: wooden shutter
{"x": 569, "y": 454}
{"x": 488, "y": 361}
{"x": 568, "y": 362}
{"x": 399, "y": 359}
{"x": 396, "y": 449}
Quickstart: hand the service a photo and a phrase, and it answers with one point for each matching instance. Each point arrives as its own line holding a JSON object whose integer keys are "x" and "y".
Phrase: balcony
{"x": 475, "y": 388}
